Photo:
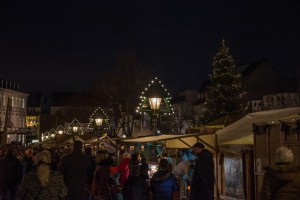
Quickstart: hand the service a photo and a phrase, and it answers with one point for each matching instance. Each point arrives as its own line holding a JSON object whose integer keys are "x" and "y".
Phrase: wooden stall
{"x": 250, "y": 144}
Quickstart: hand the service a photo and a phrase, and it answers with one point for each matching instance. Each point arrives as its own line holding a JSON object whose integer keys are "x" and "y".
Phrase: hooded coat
{"x": 123, "y": 169}
{"x": 163, "y": 184}
{"x": 203, "y": 177}
{"x": 281, "y": 181}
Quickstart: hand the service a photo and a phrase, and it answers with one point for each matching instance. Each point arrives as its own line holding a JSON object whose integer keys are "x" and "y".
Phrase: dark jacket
{"x": 10, "y": 172}
{"x": 27, "y": 164}
{"x": 144, "y": 168}
{"x": 135, "y": 188}
{"x": 281, "y": 181}
{"x": 203, "y": 177}
{"x": 74, "y": 169}
{"x": 104, "y": 186}
{"x": 163, "y": 184}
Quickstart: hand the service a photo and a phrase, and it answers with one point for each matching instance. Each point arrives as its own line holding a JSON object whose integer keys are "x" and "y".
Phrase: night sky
{"x": 64, "y": 45}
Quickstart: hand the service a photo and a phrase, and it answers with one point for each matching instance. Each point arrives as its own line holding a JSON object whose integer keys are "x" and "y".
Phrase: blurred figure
{"x": 282, "y": 180}
{"x": 123, "y": 169}
{"x": 11, "y": 176}
{"x": 42, "y": 182}
{"x": 54, "y": 160}
{"x": 74, "y": 168}
{"x": 134, "y": 161}
{"x": 135, "y": 187}
{"x": 103, "y": 184}
{"x": 90, "y": 171}
{"x": 163, "y": 183}
{"x": 203, "y": 177}
{"x": 27, "y": 161}
{"x": 2, "y": 152}
{"x": 144, "y": 168}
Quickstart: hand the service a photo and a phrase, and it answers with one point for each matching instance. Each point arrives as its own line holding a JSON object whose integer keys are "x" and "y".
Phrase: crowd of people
{"x": 27, "y": 174}
{"x": 80, "y": 175}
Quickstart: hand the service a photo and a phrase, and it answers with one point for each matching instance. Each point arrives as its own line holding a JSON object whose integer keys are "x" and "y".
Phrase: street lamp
{"x": 155, "y": 100}
{"x": 74, "y": 129}
{"x": 52, "y": 133}
{"x": 99, "y": 122}
{"x": 60, "y": 130}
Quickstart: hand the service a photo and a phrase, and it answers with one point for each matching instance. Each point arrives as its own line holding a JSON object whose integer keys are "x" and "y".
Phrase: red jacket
{"x": 123, "y": 169}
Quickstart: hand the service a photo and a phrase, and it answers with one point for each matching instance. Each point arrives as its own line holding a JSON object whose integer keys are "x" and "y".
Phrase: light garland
{"x": 225, "y": 88}
{"x": 144, "y": 105}
{"x": 105, "y": 117}
{"x": 80, "y": 129}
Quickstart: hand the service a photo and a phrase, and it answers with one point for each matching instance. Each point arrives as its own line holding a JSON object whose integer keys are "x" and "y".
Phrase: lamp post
{"x": 99, "y": 122}
{"x": 75, "y": 129}
{"x": 155, "y": 101}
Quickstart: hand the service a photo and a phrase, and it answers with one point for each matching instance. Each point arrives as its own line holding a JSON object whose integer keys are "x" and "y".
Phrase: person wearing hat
{"x": 203, "y": 178}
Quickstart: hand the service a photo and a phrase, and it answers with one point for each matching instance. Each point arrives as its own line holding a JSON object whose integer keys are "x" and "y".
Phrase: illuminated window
{"x": 12, "y": 101}
{"x": 31, "y": 121}
{"x": 23, "y": 103}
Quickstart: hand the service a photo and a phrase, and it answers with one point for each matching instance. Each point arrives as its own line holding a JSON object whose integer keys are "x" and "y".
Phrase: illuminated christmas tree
{"x": 224, "y": 96}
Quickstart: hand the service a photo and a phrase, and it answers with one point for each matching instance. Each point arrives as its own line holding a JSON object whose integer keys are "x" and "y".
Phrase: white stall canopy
{"x": 178, "y": 141}
{"x": 241, "y": 132}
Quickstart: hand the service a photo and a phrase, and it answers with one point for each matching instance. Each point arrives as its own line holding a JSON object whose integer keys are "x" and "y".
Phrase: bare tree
{"x": 119, "y": 90}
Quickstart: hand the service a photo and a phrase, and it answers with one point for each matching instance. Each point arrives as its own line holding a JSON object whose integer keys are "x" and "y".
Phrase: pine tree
{"x": 225, "y": 95}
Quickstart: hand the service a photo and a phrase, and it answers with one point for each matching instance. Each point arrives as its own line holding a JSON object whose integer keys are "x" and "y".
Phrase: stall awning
{"x": 178, "y": 141}
{"x": 240, "y": 132}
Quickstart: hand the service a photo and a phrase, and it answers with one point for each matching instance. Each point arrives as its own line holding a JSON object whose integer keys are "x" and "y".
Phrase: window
{"x": 23, "y": 103}
{"x": 12, "y": 101}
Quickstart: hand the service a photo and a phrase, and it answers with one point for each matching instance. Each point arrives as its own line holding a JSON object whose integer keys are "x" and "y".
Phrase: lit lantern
{"x": 75, "y": 129}
{"x": 99, "y": 121}
{"x": 131, "y": 148}
{"x": 155, "y": 103}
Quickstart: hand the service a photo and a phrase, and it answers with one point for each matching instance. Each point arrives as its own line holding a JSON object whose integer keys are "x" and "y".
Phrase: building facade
{"x": 13, "y": 109}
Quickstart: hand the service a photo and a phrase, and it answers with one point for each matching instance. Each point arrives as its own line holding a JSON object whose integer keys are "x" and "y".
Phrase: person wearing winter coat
{"x": 11, "y": 176}
{"x": 135, "y": 187}
{"x": 42, "y": 183}
{"x": 74, "y": 168}
{"x": 27, "y": 161}
{"x": 104, "y": 186}
{"x": 203, "y": 176}
{"x": 163, "y": 183}
{"x": 123, "y": 169}
{"x": 282, "y": 180}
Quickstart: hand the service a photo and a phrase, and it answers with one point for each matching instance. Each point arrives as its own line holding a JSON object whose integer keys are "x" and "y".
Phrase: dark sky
{"x": 65, "y": 44}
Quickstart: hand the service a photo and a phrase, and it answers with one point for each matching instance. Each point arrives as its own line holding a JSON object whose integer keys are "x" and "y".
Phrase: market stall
{"x": 173, "y": 144}
{"x": 248, "y": 145}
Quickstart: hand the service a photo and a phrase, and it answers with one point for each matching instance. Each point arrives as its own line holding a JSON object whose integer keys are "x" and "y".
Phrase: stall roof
{"x": 178, "y": 141}
{"x": 240, "y": 132}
